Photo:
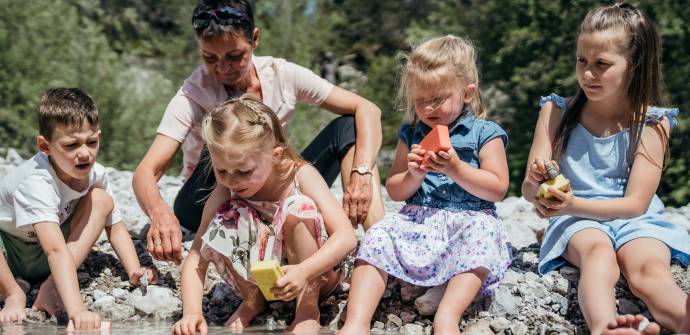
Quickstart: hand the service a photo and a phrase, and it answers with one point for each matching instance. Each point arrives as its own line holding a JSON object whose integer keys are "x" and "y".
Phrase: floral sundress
{"x": 244, "y": 231}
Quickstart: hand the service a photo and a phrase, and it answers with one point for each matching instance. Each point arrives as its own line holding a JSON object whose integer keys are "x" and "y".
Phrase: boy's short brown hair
{"x": 66, "y": 107}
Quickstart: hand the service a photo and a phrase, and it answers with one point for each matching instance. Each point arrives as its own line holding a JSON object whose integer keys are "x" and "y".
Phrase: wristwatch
{"x": 362, "y": 169}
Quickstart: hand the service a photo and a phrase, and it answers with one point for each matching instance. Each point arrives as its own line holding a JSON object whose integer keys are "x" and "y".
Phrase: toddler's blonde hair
{"x": 440, "y": 62}
{"x": 246, "y": 120}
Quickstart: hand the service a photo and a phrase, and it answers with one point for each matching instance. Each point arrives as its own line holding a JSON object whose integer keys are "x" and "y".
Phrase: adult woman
{"x": 226, "y": 38}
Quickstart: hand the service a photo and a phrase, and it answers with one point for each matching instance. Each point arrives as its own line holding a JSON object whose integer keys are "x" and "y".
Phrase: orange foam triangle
{"x": 437, "y": 140}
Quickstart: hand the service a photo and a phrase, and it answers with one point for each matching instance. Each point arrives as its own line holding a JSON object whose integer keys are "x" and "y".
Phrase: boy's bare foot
{"x": 629, "y": 325}
{"x": 354, "y": 330}
{"x": 48, "y": 299}
{"x": 13, "y": 311}
{"x": 244, "y": 314}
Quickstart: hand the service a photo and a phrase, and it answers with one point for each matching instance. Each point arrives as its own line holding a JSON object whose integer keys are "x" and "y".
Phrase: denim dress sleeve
{"x": 489, "y": 131}
{"x": 560, "y": 101}
{"x": 405, "y": 134}
{"x": 656, "y": 114}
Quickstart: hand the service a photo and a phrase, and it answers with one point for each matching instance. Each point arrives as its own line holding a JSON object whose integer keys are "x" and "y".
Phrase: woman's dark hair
{"x": 244, "y": 25}
{"x": 644, "y": 81}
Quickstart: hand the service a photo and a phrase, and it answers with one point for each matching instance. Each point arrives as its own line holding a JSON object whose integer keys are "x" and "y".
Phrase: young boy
{"x": 53, "y": 208}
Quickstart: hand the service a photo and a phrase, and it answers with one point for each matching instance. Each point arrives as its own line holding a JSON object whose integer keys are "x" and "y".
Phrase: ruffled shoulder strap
{"x": 656, "y": 114}
{"x": 560, "y": 101}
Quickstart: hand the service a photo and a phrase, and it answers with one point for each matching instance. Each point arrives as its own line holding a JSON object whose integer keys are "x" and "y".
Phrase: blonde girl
{"x": 448, "y": 232}
{"x": 610, "y": 141}
{"x": 268, "y": 204}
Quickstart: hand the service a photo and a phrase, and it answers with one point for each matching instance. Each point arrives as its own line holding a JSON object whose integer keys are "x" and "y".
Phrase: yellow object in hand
{"x": 266, "y": 273}
{"x": 559, "y": 183}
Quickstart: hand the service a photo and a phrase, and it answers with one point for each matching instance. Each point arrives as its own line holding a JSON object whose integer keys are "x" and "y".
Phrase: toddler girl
{"x": 448, "y": 232}
{"x": 268, "y": 205}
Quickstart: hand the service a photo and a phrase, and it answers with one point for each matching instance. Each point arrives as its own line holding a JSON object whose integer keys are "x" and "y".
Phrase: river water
{"x": 147, "y": 327}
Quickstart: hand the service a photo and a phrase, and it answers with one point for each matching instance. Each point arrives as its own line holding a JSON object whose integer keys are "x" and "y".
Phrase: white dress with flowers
{"x": 243, "y": 231}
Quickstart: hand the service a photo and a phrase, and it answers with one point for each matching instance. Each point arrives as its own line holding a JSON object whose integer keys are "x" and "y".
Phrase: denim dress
{"x": 443, "y": 230}
{"x": 597, "y": 168}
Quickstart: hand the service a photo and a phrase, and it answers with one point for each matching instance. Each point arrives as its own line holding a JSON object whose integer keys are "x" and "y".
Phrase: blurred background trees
{"x": 132, "y": 56}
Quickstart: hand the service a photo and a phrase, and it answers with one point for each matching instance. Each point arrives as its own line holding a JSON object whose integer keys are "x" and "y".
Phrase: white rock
{"x": 413, "y": 329}
{"x": 159, "y": 301}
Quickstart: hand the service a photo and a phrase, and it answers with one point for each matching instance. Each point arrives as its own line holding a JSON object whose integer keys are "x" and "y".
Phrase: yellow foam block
{"x": 266, "y": 273}
{"x": 559, "y": 183}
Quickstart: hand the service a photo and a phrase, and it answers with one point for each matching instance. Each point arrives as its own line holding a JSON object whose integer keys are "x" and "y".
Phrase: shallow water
{"x": 148, "y": 327}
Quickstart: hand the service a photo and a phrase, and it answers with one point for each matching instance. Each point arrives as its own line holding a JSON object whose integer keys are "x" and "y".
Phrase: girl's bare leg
{"x": 253, "y": 302}
{"x": 368, "y": 285}
{"x": 646, "y": 265}
{"x": 301, "y": 243}
{"x": 592, "y": 252}
{"x": 459, "y": 294}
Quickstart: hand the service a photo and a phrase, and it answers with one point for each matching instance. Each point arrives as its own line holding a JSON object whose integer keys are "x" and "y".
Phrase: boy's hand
{"x": 290, "y": 285}
{"x": 190, "y": 324}
{"x": 84, "y": 320}
{"x": 445, "y": 162}
{"x": 135, "y": 278}
{"x": 414, "y": 161}
{"x": 537, "y": 172}
{"x": 557, "y": 206}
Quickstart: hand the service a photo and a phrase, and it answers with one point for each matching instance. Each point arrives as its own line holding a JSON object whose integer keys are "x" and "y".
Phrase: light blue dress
{"x": 598, "y": 169}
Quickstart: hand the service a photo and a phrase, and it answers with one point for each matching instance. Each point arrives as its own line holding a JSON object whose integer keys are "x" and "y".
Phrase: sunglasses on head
{"x": 226, "y": 16}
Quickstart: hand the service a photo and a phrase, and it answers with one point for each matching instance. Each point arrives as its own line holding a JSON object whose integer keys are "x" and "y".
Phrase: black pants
{"x": 325, "y": 153}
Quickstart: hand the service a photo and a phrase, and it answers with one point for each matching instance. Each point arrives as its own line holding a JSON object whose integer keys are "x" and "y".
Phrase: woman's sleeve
{"x": 179, "y": 117}
{"x": 309, "y": 87}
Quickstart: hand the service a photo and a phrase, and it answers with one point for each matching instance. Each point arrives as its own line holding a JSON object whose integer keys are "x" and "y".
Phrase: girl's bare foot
{"x": 15, "y": 302}
{"x": 445, "y": 327}
{"x": 351, "y": 329}
{"x": 308, "y": 326}
{"x": 47, "y": 299}
{"x": 630, "y": 325}
{"x": 244, "y": 314}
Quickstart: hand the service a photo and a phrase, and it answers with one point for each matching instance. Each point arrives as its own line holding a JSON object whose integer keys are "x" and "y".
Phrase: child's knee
{"x": 100, "y": 200}
{"x": 602, "y": 259}
{"x": 650, "y": 272}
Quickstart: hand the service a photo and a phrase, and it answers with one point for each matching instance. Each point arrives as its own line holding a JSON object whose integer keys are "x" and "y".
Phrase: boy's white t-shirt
{"x": 32, "y": 193}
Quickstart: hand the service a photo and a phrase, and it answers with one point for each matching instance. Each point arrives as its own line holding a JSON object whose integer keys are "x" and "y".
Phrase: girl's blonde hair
{"x": 440, "y": 62}
{"x": 246, "y": 120}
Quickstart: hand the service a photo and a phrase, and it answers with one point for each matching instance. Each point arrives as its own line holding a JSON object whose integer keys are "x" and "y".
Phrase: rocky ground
{"x": 525, "y": 303}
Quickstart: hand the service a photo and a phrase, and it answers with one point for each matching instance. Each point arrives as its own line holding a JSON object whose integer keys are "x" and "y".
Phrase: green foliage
{"x": 132, "y": 56}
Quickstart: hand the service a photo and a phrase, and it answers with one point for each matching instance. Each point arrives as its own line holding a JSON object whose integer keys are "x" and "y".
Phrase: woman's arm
{"x": 541, "y": 151}
{"x": 401, "y": 183}
{"x": 367, "y": 120}
{"x": 358, "y": 191}
{"x": 164, "y": 225}
{"x": 341, "y": 238}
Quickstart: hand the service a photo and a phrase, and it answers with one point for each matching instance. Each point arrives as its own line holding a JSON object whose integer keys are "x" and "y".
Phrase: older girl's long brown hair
{"x": 644, "y": 80}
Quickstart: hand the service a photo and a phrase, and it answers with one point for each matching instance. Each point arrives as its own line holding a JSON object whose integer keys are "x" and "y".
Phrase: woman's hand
{"x": 164, "y": 237}
{"x": 414, "y": 161}
{"x": 190, "y": 324}
{"x": 357, "y": 197}
{"x": 151, "y": 276}
{"x": 537, "y": 172}
{"x": 446, "y": 162}
{"x": 557, "y": 206}
{"x": 290, "y": 285}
